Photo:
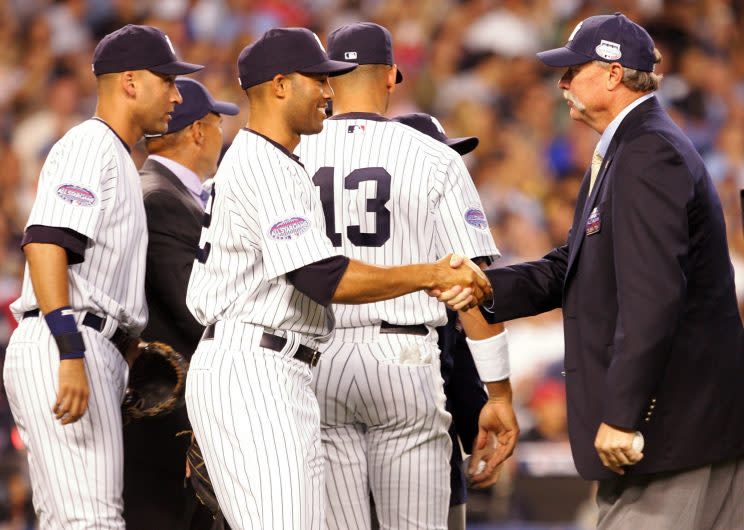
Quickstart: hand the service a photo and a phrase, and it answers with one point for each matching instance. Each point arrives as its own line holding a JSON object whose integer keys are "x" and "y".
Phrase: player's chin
{"x": 159, "y": 127}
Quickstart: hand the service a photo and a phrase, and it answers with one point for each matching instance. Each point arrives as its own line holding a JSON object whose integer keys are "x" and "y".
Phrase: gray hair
{"x": 637, "y": 80}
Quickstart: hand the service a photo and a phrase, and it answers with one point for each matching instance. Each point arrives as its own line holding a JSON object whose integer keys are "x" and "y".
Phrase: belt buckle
{"x": 315, "y": 358}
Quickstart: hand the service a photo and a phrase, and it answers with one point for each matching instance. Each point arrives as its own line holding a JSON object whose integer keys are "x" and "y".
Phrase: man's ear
{"x": 391, "y": 77}
{"x": 280, "y": 86}
{"x": 615, "y": 78}
{"x": 197, "y": 132}
{"x": 128, "y": 82}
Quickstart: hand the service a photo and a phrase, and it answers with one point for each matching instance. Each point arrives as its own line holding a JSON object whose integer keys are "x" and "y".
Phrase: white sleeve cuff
{"x": 491, "y": 357}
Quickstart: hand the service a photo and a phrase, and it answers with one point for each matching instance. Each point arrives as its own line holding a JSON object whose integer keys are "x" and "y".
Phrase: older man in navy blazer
{"x": 654, "y": 339}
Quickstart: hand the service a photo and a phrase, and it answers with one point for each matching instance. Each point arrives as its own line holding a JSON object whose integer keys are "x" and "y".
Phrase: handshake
{"x": 459, "y": 283}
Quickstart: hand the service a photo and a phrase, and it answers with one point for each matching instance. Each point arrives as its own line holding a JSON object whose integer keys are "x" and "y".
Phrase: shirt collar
{"x": 187, "y": 177}
{"x": 609, "y": 132}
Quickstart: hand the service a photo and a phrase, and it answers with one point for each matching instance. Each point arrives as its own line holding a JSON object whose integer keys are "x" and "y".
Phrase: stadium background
{"x": 471, "y": 64}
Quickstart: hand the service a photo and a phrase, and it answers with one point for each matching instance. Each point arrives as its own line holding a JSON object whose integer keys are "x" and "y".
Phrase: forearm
{"x": 47, "y": 264}
{"x": 499, "y": 390}
{"x": 363, "y": 283}
{"x": 476, "y": 327}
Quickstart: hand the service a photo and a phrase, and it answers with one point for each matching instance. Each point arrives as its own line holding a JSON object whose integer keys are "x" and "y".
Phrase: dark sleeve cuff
{"x": 73, "y": 242}
{"x": 318, "y": 281}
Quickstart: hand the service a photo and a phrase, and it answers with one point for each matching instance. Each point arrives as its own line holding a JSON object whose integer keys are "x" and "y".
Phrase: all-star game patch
{"x": 76, "y": 195}
{"x": 593, "y": 222}
{"x": 289, "y": 229}
{"x": 476, "y": 218}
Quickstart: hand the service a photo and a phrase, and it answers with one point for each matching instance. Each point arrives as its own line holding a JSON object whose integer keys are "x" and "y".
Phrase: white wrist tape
{"x": 491, "y": 357}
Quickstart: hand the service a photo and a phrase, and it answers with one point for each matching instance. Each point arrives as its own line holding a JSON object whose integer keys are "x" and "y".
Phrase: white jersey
{"x": 393, "y": 196}
{"x": 263, "y": 220}
{"x": 90, "y": 184}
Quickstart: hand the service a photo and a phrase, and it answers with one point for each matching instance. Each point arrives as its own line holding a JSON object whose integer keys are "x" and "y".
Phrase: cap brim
{"x": 562, "y": 57}
{"x": 223, "y": 107}
{"x": 398, "y": 77}
{"x": 176, "y": 68}
{"x": 330, "y": 67}
{"x": 463, "y": 145}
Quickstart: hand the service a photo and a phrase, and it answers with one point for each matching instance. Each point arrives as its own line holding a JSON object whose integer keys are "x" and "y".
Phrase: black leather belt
{"x": 120, "y": 339}
{"x": 418, "y": 329}
{"x": 274, "y": 342}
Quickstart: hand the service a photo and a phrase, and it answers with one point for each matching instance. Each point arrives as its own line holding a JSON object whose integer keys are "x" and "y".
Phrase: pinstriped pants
{"x": 255, "y": 418}
{"x": 384, "y": 430}
{"x": 76, "y": 470}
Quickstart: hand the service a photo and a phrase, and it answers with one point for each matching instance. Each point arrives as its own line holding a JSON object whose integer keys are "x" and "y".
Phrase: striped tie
{"x": 596, "y": 164}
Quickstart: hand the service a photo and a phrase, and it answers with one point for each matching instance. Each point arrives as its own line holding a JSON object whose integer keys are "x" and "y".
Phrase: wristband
{"x": 491, "y": 357}
{"x": 64, "y": 329}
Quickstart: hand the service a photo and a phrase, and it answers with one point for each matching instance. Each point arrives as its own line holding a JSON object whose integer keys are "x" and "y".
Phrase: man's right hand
{"x": 72, "y": 396}
{"x": 462, "y": 281}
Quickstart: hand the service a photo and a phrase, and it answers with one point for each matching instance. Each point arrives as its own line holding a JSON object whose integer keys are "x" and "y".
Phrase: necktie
{"x": 204, "y": 197}
{"x": 596, "y": 164}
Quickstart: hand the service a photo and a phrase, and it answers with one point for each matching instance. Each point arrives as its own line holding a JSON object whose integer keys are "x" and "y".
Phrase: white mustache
{"x": 573, "y": 99}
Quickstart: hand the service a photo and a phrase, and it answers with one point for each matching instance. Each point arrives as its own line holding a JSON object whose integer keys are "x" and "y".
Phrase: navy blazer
{"x": 653, "y": 337}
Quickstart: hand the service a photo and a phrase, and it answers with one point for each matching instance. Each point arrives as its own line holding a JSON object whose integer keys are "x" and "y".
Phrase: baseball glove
{"x": 201, "y": 482}
{"x": 157, "y": 380}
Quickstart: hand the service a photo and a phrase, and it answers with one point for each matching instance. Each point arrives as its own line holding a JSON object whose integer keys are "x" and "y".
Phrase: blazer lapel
{"x": 156, "y": 167}
{"x": 580, "y": 228}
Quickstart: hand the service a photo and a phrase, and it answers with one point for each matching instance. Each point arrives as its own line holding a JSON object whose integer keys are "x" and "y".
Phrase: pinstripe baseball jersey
{"x": 90, "y": 184}
{"x": 377, "y": 179}
{"x": 263, "y": 220}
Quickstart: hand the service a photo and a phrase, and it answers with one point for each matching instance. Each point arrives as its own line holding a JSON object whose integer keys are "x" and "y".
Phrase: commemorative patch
{"x": 289, "y": 229}
{"x": 76, "y": 195}
{"x": 608, "y": 50}
{"x": 476, "y": 218}
{"x": 593, "y": 222}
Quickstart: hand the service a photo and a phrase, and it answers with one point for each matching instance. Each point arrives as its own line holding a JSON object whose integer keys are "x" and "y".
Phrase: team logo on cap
{"x": 289, "y": 229}
{"x": 575, "y": 31}
{"x": 608, "y": 50}
{"x": 350, "y": 56}
{"x": 170, "y": 44}
{"x": 76, "y": 195}
{"x": 476, "y": 218}
{"x": 318, "y": 39}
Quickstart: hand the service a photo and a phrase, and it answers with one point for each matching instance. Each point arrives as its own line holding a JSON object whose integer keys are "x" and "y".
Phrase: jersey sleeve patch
{"x": 288, "y": 229}
{"x": 476, "y": 218}
{"x": 76, "y": 195}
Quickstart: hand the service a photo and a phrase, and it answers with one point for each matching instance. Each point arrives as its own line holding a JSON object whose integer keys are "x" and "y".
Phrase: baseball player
{"x": 180, "y": 160}
{"x": 262, "y": 283}
{"x": 83, "y": 298}
{"x": 462, "y": 383}
{"x": 391, "y": 196}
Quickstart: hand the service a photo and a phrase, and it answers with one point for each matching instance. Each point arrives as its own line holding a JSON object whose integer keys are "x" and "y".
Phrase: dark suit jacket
{"x": 154, "y": 493}
{"x": 465, "y": 399}
{"x": 654, "y": 340}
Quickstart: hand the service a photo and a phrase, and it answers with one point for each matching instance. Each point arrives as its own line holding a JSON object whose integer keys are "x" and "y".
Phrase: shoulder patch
{"x": 288, "y": 229}
{"x": 76, "y": 195}
{"x": 476, "y": 218}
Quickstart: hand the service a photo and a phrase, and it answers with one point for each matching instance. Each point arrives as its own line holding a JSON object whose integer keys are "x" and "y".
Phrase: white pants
{"x": 76, "y": 469}
{"x": 384, "y": 430}
{"x": 256, "y": 420}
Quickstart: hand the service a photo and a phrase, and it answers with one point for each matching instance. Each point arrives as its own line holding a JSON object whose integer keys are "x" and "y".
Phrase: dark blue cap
{"x": 197, "y": 103}
{"x": 285, "y": 51}
{"x": 609, "y": 38}
{"x": 139, "y": 48}
{"x": 430, "y": 126}
{"x": 362, "y": 43}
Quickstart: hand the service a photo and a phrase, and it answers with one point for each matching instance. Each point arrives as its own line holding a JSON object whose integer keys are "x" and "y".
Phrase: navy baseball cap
{"x": 362, "y": 43}
{"x": 197, "y": 103}
{"x": 609, "y": 38}
{"x": 430, "y": 126}
{"x": 284, "y": 51}
{"x": 139, "y": 48}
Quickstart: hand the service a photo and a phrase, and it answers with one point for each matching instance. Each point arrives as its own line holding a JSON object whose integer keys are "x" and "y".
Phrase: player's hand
{"x": 72, "y": 396}
{"x": 497, "y": 418}
{"x": 457, "y": 298}
{"x": 478, "y": 473}
{"x": 462, "y": 277}
{"x": 615, "y": 448}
